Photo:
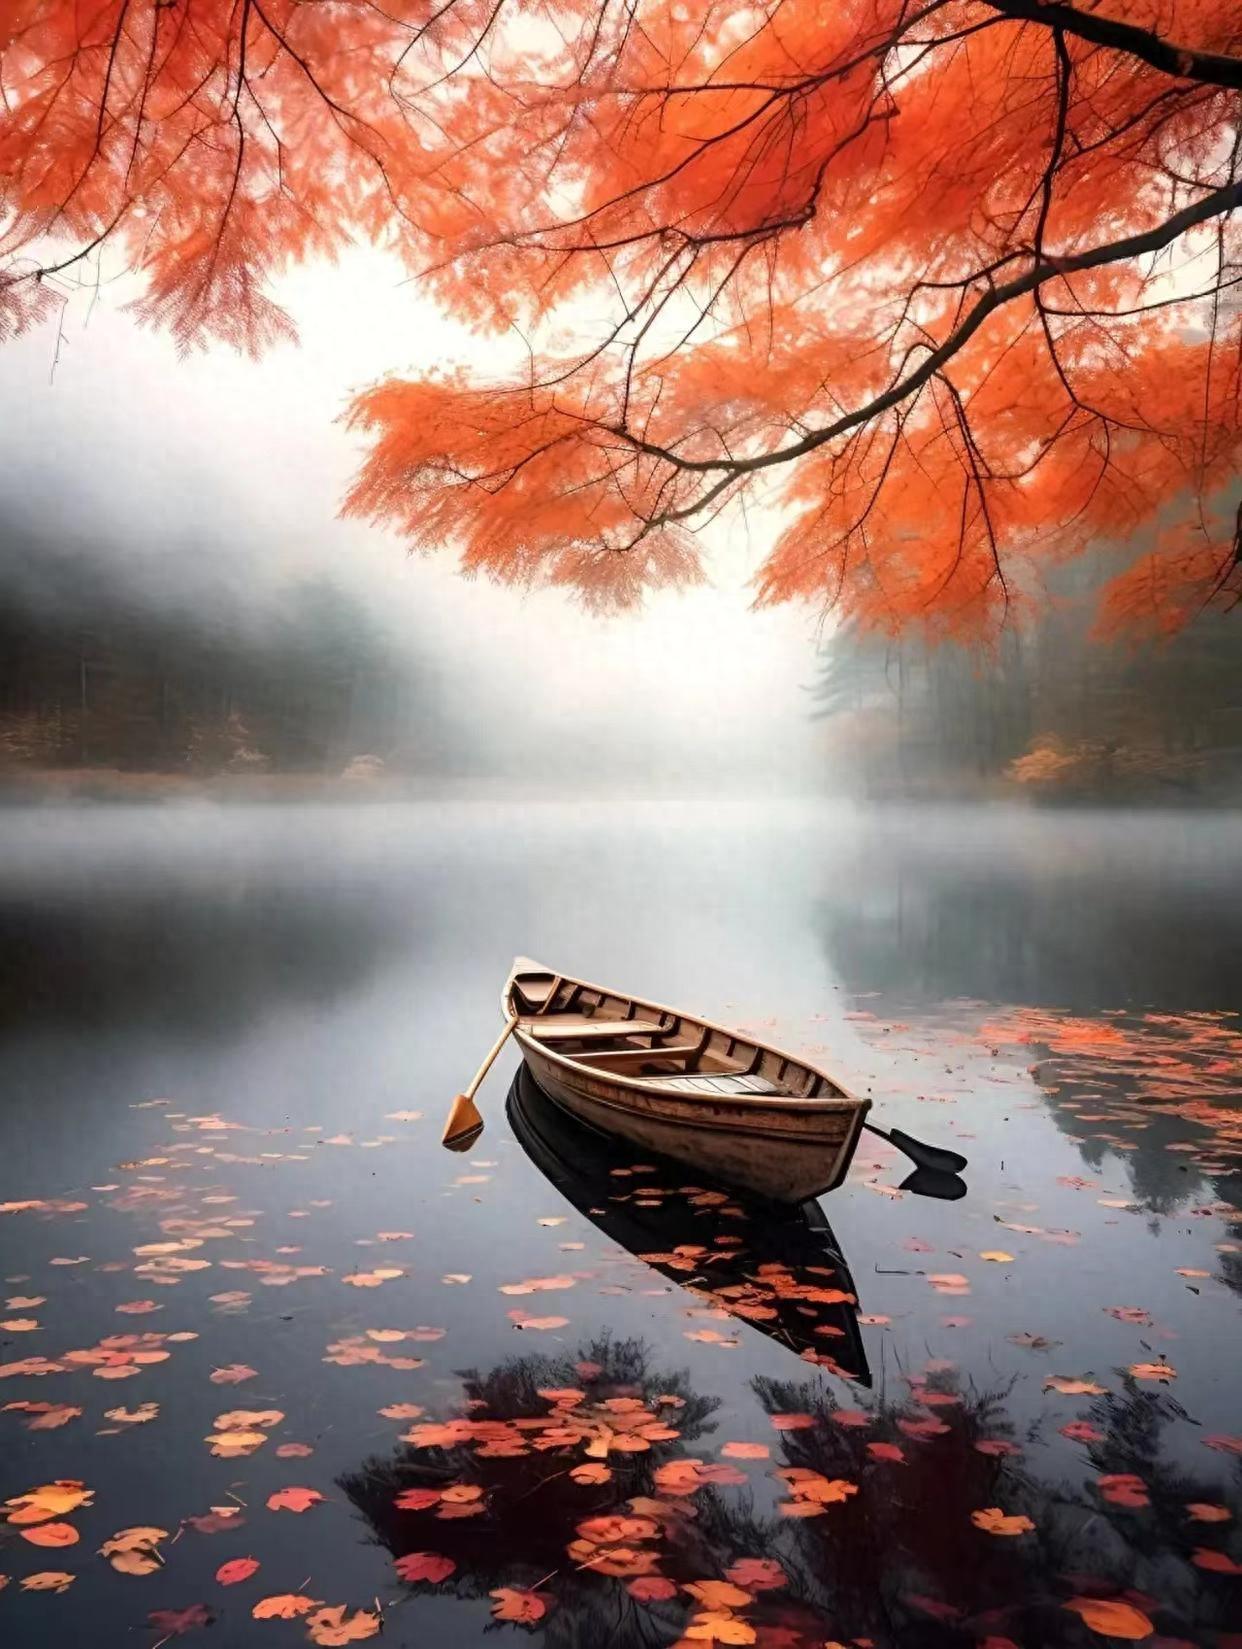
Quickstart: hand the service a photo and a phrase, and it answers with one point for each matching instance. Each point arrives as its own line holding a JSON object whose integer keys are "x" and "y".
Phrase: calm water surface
{"x": 608, "y": 1403}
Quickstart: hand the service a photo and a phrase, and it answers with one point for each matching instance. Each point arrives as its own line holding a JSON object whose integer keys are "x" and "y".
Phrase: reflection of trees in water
{"x": 1231, "y": 1267}
{"x": 902, "y": 1560}
{"x": 895, "y": 1559}
{"x": 192, "y": 960}
{"x": 1161, "y": 1179}
{"x": 1053, "y": 911}
{"x": 533, "y": 1505}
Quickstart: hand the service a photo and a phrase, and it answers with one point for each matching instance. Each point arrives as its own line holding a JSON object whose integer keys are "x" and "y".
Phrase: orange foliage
{"x": 942, "y": 283}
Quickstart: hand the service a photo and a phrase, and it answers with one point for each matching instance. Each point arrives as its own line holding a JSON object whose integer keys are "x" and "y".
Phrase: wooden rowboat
{"x": 735, "y": 1108}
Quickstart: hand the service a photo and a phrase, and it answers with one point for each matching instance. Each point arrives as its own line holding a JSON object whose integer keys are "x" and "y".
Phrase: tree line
{"x": 1049, "y": 711}
{"x": 95, "y": 672}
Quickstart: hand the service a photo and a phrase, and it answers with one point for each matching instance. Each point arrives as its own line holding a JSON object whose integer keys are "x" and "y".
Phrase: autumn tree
{"x": 948, "y": 290}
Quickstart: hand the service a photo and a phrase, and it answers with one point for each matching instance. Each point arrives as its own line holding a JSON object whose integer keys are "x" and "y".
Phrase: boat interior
{"x": 620, "y": 1036}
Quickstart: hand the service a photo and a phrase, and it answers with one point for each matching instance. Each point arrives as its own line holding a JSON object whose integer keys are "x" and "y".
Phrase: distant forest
{"x": 95, "y": 672}
{"x": 1053, "y": 712}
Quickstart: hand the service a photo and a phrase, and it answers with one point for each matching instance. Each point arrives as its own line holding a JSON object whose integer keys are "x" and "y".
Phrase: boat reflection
{"x": 775, "y": 1267}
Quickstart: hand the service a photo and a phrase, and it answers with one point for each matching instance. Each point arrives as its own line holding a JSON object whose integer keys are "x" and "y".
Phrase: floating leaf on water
{"x": 992, "y": 1520}
{"x": 886, "y": 1451}
{"x": 45, "y": 1416}
{"x": 539, "y": 1324}
{"x": 1123, "y": 1489}
{"x": 334, "y": 1625}
{"x": 51, "y": 1534}
{"x": 757, "y": 1574}
{"x": 651, "y": 1589}
{"x": 432, "y": 1567}
{"x": 236, "y": 1570}
{"x": 1112, "y": 1617}
{"x": 293, "y": 1500}
{"x": 523, "y": 1608}
{"x": 284, "y": 1606}
{"x": 1202, "y": 1511}
{"x": 1219, "y": 1563}
{"x": 47, "y": 1580}
{"x": 1154, "y": 1371}
{"x": 591, "y": 1471}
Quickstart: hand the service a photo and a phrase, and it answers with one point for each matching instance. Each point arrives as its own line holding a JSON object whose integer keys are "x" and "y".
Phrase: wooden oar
{"x": 465, "y": 1123}
{"x": 935, "y": 1157}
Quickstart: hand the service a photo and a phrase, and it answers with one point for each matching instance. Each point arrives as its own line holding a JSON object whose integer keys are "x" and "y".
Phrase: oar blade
{"x": 464, "y": 1124}
{"x": 935, "y": 1157}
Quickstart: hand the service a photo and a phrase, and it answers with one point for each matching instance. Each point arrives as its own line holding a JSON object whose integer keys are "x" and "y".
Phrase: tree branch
{"x": 1212, "y": 205}
{"x": 1209, "y": 68}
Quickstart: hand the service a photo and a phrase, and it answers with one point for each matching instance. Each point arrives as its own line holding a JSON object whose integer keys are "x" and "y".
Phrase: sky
{"x": 140, "y": 447}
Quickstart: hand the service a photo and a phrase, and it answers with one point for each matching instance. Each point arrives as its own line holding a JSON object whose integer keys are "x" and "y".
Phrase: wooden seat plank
{"x": 565, "y": 1027}
{"x": 738, "y": 1087}
{"x": 615, "y": 1057}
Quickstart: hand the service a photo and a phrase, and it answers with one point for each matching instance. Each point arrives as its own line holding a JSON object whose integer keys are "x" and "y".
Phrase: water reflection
{"x": 780, "y": 1269}
{"x": 596, "y": 1484}
{"x": 1073, "y": 908}
{"x": 166, "y": 957}
{"x": 955, "y": 1534}
{"x": 240, "y": 1035}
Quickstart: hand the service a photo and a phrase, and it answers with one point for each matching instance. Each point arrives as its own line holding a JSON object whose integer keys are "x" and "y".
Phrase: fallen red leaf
{"x": 293, "y": 1500}
{"x": 51, "y": 1534}
{"x": 1205, "y": 1511}
{"x": 283, "y": 1606}
{"x": 333, "y": 1626}
{"x": 428, "y": 1566}
{"x": 651, "y": 1589}
{"x": 1123, "y": 1489}
{"x": 1220, "y": 1563}
{"x": 1112, "y": 1617}
{"x": 757, "y": 1574}
{"x": 1082, "y": 1431}
{"x": 524, "y": 1608}
{"x": 236, "y": 1570}
{"x": 886, "y": 1451}
{"x": 992, "y": 1520}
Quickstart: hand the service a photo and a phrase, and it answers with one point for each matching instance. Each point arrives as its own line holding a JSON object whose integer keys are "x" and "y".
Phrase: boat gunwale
{"x": 643, "y": 1086}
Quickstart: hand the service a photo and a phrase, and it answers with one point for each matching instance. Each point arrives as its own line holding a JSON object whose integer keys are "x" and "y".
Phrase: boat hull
{"x": 787, "y": 1153}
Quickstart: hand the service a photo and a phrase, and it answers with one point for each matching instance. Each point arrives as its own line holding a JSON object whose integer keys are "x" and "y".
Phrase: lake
{"x": 274, "y": 1367}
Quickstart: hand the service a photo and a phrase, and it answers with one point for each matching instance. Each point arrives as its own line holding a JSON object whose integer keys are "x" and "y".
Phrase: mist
{"x": 204, "y": 492}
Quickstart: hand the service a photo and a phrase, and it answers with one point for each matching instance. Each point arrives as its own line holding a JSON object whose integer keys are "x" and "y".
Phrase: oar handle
{"x": 485, "y": 1067}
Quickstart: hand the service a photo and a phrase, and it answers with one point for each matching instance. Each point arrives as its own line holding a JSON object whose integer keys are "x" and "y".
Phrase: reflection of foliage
{"x": 908, "y": 1531}
{"x": 1128, "y": 1084}
{"x": 904, "y": 1552}
{"x": 533, "y": 1509}
{"x": 885, "y": 1533}
{"x": 529, "y": 1494}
